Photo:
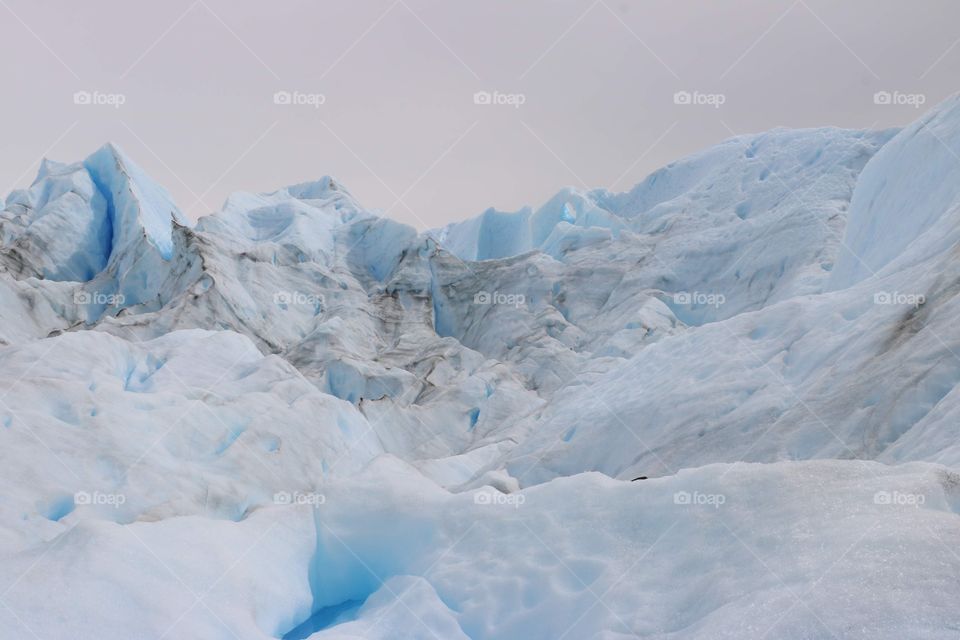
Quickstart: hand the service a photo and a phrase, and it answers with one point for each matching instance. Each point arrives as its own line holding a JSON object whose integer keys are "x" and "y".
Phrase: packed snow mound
{"x": 209, "y": 426}
{"x": 298, "y": 419}
{"x": 904, "y": 196}
{"x": 726, "y": 551}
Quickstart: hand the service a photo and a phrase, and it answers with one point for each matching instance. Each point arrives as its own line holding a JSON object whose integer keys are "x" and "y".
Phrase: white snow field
{"x": 298, "y": 419}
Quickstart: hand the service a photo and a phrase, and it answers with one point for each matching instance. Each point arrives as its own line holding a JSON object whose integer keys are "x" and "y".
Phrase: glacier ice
{"x": 296, "y": 418}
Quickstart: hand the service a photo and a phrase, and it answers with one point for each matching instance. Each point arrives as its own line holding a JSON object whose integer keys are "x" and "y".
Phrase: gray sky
{"x": 399, "y": 125}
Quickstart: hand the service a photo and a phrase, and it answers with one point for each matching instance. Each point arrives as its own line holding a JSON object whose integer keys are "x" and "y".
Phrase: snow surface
{"x": 298, "y": 419}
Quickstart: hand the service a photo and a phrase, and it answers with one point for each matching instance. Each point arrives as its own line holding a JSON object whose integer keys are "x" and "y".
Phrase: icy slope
{"x": 299, "y": 419}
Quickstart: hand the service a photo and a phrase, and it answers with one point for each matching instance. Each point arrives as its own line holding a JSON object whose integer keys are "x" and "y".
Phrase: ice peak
{"x": 323, "y": 188}
{"x": 49, "y": 168}
{"x": 136, "y": 204}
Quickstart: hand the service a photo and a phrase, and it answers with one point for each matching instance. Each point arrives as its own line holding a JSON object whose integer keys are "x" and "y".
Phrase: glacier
{"x": 722, "y": 404}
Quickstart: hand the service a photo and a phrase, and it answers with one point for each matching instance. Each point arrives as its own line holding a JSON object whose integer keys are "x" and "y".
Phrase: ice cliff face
{"x": 296, "y": 418}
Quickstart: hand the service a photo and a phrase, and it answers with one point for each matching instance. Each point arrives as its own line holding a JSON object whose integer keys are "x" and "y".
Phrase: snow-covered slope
{"x": 299, "y": 419}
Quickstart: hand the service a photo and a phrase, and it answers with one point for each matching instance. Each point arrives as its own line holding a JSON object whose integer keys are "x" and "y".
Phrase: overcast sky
{"x": 399, "y": 124}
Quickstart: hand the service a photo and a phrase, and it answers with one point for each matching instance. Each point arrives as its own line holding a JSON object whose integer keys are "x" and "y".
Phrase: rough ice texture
{"x": 298, "y": 419}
